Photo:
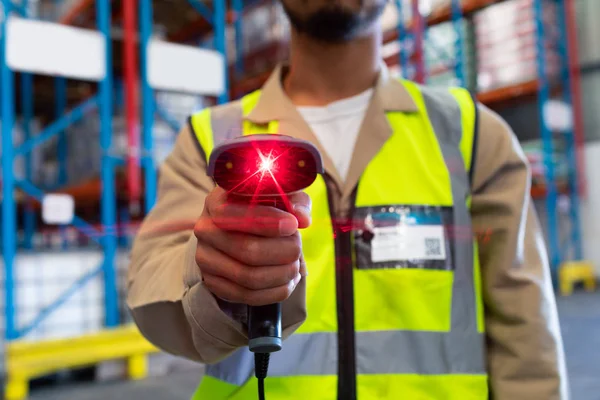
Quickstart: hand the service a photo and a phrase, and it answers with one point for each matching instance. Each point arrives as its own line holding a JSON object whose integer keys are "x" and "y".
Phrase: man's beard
{"x": 334, "y": 23}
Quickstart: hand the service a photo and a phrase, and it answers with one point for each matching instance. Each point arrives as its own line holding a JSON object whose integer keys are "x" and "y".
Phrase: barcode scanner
{"x": 264, "y": 169}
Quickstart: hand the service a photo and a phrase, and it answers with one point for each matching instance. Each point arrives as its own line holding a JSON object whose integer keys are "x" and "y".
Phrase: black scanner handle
{"x": 264, "y": 322}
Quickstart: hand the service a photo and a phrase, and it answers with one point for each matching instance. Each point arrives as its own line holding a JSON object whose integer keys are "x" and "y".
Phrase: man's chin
{"x": 333, "y": 23}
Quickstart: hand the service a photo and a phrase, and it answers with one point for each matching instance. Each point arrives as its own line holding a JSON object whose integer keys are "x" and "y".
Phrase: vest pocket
{"x": 403, "y": 299}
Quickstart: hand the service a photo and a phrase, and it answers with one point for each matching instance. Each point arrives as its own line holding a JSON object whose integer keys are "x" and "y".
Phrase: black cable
{"x": 261, "y": 367}
{"x": 261, "y": 389}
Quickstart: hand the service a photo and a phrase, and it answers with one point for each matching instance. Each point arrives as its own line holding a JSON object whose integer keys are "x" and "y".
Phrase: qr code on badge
{"x": 433, "y": 247}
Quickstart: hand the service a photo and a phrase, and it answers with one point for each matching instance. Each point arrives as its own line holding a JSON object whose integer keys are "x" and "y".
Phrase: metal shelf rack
{"x": 214, "y": 19}
{"x": 127, "y": 56}
{"x": 11, "y": 184}
{"x": 101, "y": 192}
{"x": 139, "y": 17}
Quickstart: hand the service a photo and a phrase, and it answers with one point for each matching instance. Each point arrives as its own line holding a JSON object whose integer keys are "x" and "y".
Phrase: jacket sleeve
{"x": 525, "y": 354}
{"x": 167, "y": 300}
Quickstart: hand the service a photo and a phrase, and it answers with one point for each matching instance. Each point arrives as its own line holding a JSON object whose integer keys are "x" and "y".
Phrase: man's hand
{"x": 251, "y": 254}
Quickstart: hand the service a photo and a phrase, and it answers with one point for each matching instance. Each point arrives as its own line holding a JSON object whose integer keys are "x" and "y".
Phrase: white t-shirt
{"x": 336, "y": 126}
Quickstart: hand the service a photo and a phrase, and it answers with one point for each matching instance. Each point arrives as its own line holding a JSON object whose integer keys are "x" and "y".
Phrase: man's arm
{"x": 525, "y": 354}
{"x": 168, "y": 301}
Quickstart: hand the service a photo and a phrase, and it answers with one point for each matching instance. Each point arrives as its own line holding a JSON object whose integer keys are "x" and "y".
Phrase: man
{"x": 386, "y": 295}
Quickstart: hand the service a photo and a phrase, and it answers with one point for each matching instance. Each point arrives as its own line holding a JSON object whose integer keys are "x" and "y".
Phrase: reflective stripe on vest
{"x": 418, "y": 332}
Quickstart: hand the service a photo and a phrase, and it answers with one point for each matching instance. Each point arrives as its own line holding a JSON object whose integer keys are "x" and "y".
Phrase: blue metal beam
{"x": 9, "y": 226}
{"x": 20, "y": 9}
{"x": 574, "y": 238}
{"x": 59, "y": 125}
{"x": 46, "y": 311}
{"x": 219, "y": 23}
{"x": 108, "y": 205}
{"x": 401, "y": 39}
{"x": 118, "y": 161}
{"x": 459, "y": 69}
{"x": 78, "y": 223}
{"x": 547, "y": 140}
{"x": 202, "y": 9}
{"x": 145, "y": 8}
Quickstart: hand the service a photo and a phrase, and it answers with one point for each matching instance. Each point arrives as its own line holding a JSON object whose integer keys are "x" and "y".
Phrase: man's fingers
{"x": 216, "y": 197}
{"x": 259, "y": 220}
{"x": 301, "y": 208}
{"x": 256, "y": 220}
{"x": 303, "y": 269}
{"x": 251, "y": 254}
{"x": 253, "y": 250}
{"x": 234, "y": 293}
{"x": 213, "y": 262}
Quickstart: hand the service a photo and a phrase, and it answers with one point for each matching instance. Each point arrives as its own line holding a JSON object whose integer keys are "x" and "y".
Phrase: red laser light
{"x": 265, "y": 165}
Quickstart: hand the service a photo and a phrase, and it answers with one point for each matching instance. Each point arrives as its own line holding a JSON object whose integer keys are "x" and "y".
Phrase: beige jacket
{"x": 177, "y": 313}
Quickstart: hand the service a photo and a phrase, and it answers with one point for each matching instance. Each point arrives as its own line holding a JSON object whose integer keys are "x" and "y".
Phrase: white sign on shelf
{"x": 558, "y": 116}
{"x": 187, "y": 69}
{"x": 48, "y": 48}
{"x": 58, "y": 209}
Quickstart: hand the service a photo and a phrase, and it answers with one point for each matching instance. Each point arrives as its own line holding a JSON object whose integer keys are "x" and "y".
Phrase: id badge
{"x": 403, "y": 237}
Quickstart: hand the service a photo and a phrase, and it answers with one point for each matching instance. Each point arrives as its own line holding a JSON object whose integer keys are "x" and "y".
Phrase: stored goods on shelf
{"x": 441, "y": 54}
{"x": 83, "y": 160}
{"x": 506, "y": 43}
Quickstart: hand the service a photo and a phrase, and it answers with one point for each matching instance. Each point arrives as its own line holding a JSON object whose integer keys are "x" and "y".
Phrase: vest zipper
{"x": 345, "y": 302}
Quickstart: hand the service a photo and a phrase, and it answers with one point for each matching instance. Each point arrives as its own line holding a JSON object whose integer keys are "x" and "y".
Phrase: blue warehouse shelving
{"x": 214, "y": 18}
{"x": 103, "y": 195}
{"x": 104, "y": 236}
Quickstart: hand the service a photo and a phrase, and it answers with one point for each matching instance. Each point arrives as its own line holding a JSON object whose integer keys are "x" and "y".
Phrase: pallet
{"x": 28, "y": 360}
{"x": 573, "y": 272}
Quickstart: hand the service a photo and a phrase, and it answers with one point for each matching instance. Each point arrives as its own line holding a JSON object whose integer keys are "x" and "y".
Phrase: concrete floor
{"x": 579, "y": 316}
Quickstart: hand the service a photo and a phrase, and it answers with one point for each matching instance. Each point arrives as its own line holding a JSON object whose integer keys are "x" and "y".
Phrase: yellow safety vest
{"x": 378, "y": 328}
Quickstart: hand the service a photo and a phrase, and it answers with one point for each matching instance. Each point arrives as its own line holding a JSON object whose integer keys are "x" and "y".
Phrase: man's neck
{"x": 321, "y": 73}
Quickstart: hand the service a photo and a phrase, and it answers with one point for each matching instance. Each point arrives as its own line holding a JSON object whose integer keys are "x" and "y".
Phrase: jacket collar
{"x": 274, "y": 104}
